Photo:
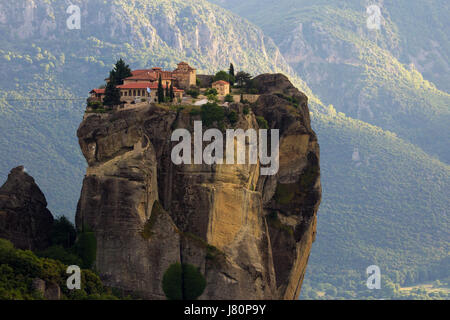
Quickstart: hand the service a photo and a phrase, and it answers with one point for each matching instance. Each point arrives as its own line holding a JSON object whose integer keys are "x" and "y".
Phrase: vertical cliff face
{"x": 24, "y": 217}
{"x": 249, "y": 234}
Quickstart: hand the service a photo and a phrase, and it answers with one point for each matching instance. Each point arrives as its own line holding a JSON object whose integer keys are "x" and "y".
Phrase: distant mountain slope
{"x": 359, "y": 70}
{"x": 384, "y": 203}
{"x": 41, "y": 58}
{"x": 419, "y": 27}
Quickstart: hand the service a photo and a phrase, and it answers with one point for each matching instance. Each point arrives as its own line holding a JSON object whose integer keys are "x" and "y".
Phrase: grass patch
{"x": 99, "y": 110}
{"x": 262, "y": 123}
{"x": 149, "y": 224}
{"x": 285, "y": 193}
{"x": 274, "y": 221}
{"x": 212, "y": 253}
{"x": 309, "y": 177}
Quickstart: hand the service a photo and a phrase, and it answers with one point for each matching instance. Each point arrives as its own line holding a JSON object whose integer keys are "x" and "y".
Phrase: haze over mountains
{"x": 385, "y": 176}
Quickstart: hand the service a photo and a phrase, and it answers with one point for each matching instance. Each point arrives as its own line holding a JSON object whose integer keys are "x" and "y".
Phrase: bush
{"x": 183, "y": 282}
{"x": 195, "y": 112}
{"x": 95, "y": 104}
{"x": 63, "y": 232}
{"x": 194, "y": 93}
{"x": 232, "y": 117}
{"x": 86, "y": 248}
{"x": 246, "y": 110}
{"x": 284, "y": 193}
{"x": 59, "y": 253}
{"x": 18, "y": 268}
{"x": 262, "y": 123}
{"x": 212, "y": 112}
{"x": 172, "y": 282}
{"x": 194, "y": 282}
{"x": 229, "y": 98}
{"x": 211, "y": 91}
{"x": 212, "y": 98}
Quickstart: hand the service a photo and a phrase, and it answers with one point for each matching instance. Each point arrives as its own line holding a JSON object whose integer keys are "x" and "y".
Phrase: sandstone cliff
{"x": 24, "y": 217}
{"x": 250, "y": 235}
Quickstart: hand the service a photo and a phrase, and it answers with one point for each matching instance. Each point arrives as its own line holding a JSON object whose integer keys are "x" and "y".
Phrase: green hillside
{"x": 387, "y": 206}
{"x": 368, "y": 74}
{"x": 415, "y": 30}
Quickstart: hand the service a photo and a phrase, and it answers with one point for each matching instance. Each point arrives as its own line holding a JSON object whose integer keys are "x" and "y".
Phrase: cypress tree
{"x": 172, "y": 94}
{"x": 160, "y": 91}
{"x": 167, "y": 94}
{"x": 112, "y": 93}
{"x": 231, "y": 73}
{"x": 120, "y": 72}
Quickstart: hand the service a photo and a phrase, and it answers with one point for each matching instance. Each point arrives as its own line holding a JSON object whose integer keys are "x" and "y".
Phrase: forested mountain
{"x": 372, "y": 75}
{"x": 385, "y": 198}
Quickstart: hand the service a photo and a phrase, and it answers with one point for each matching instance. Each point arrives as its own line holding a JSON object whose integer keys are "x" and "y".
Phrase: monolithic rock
{"x": 24, "y": 217}
{"x": 249, "y": 234}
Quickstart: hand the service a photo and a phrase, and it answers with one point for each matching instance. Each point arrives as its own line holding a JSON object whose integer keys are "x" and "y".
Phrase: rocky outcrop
{"x": 249, "y": 234}
{"x": 24, "y": 217}
{"x": 48, "y": 290}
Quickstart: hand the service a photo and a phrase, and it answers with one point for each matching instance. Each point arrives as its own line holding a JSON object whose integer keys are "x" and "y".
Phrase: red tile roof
{"x": 220, "y": 82}
{"x": 98, "y": 91}
{"x": 150, "y": 75}
{"x": 143, "y": 76}
{"x": 137, "y": 85}
{"x": 140, "y": 71}
{"x": 144, "y": 85}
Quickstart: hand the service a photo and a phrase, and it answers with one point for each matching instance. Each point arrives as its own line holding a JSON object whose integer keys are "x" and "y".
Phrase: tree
{"x": 120, "y": 72}
{"x": 212, "y": 98}
{"x": 229, "y": 98}
{"x": 112, "y": 95}
{"x": 232, "y": 117}
{"x": 183, "y": 282}
{"x": 211, "y": 112}
{"x": 231, "y": 73}
{"x": 193, "y": 93}
{"x": 86, "y": 248}
{"x": 167, "y": 94}
{"x": 172, "y": 94}
{"x": 222, "y": 75}
{"x": 63, "y": 232}
{"x": 211, "y": 91}
{"x": 211, "y": 95}
{"x": 243, "y": 79}
{"x": 160, "y": 91}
